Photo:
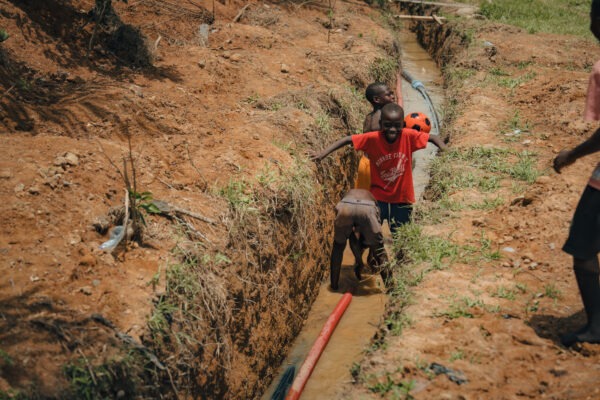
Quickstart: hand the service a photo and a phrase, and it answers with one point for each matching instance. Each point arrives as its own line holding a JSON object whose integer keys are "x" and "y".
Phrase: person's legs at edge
{"x": 588, "y": 280}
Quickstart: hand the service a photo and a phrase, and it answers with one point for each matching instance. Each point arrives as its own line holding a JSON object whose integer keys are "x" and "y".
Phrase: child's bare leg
{"x": 588, "y": 281}
{"x": 357, "y": 250}
{"x": 335, "y": 265}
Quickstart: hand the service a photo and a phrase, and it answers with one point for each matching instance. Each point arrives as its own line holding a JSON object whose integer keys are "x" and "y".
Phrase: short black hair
{"x": 392, "y": 108}
{"x": 595, "y": 12}
{"x": 374, "y": 89}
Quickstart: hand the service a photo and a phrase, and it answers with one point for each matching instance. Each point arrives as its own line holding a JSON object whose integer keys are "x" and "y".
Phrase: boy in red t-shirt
{"x": 390, "y": 152}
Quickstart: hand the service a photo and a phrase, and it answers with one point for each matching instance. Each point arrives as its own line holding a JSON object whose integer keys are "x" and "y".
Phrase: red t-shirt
{"x": 391, "y": 171}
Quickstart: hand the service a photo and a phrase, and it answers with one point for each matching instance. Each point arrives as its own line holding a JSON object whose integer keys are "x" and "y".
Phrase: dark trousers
{"x": 397, "y": 214}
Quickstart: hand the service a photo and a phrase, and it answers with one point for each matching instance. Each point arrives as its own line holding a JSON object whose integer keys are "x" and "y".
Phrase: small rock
{"x": 508, "y": 250}
{"x": 236, "y": 57}
{"x": 481, "y": 222}
{"x": 506, "y": 264}
{"x": 256, "y": 137}
{"x": 202, "y": 63}
{"x": 6, "y": 174}
{"x": 86, "y": 290}
{"x": 87, "y": 260}
{"x": 59, "y": 161}
{"x": 226, "y": 55}
{"x": 101, "y": 224}
{"x": 34, "y": 190}
{"x": 96, "y": 282}
{"x": 557, "y": 371}
{"x": 19, "y": 188}
{"x": 533, "y": 265}
{"x": 543, "y": 180}
{"x": 137, "y": 90}
{"x": 552, "y": 246}
{"x": 508, "y": 238}
{"x": 526, "y": 142}
{"x": 71, "y": 159}
{"x": 74, "y": 239}
{"x": 284, "y": 68}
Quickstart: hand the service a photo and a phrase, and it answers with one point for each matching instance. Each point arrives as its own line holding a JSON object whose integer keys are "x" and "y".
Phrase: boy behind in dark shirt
{"x": 378, "y": 94}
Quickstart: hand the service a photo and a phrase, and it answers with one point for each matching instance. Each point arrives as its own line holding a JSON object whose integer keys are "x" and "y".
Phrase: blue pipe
{"x": 418, "y": 86}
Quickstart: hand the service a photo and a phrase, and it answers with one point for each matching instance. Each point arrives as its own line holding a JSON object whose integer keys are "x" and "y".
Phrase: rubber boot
{"x": 589, "y": 289}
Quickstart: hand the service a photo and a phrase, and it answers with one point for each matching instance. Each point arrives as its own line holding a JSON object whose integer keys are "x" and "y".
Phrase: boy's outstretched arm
{"x": 568, "y": 157}
{"x": 333, "y": 147}
{"x": 435, "y": 139}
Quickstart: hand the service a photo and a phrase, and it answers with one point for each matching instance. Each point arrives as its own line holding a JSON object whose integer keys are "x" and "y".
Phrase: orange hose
{"x": 318, "y": 347}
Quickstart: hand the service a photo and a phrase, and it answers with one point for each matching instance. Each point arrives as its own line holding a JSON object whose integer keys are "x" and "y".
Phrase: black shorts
{"x": 584, "y": 236}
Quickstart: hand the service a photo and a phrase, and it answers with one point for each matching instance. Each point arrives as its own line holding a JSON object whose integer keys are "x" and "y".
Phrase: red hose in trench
{"x": 318, "y": 347}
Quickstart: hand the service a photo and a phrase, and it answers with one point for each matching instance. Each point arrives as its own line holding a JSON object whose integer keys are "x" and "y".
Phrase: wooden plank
{"x": 437, "y": 19}
{"x": 420, "y": 17}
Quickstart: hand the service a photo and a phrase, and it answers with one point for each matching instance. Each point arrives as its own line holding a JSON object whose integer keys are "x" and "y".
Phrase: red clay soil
{"x": 202, "y": 118}
{"x": 251, "y": 100}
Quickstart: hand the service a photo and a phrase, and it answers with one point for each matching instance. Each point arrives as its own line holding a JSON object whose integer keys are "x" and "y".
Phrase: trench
{"x": 366, "y": 312}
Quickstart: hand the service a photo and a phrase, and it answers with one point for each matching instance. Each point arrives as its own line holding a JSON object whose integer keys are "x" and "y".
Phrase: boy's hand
{"x": 563, "y": 159}
{"x": 315, "y": 156}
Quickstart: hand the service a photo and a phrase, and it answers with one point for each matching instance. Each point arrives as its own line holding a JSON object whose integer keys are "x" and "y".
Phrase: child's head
{"x": 392, "y": 121}
{"x": 379, "y": 94}
{"x": 595, "y": 18}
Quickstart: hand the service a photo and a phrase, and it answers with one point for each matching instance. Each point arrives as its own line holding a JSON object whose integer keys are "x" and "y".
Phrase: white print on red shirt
{"x": 391, "y": 175}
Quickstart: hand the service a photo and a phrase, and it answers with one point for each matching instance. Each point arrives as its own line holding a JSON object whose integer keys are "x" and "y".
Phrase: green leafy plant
{"x": 383, "y": 70}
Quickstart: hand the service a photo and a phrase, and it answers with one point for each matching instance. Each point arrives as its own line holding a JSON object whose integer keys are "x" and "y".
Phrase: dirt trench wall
{"x": 227, "y": 334}
{"x": 442, "y": 42}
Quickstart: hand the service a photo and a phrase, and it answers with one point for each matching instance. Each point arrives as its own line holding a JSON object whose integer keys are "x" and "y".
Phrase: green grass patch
{"x": 503, "y": 292}
{"x": 390, "y": 387}
{"x": 552, "y": 292}
{"x": 418, "y": 248}
{"x": 457, "y": 309}
{"x": 384, "y": 70}
{"x": 110, "y": 380}
{"x": 556, "y": 16}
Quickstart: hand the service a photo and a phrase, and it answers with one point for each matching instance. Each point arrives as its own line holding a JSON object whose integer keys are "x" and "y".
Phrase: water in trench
{"x": 362, "y": 318}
